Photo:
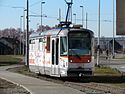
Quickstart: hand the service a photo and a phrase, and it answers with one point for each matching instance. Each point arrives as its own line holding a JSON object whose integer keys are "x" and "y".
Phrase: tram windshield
{"x": 63, "y": 46}
{"x": 79, "y": 43}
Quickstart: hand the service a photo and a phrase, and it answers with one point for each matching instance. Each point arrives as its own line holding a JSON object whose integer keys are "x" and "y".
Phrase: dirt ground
{"x": 10, "y": 88}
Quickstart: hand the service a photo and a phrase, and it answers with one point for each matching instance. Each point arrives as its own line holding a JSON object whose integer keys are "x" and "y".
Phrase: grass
{"x": 106, "y": 71}
{"x": 9, "y": 59}
{"x": 121, "y": 58}
{"x": 122, "y": 85}
{"x": 108, "y": 75}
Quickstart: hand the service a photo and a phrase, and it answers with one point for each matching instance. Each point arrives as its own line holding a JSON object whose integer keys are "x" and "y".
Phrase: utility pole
{"x": 98, "y": 46}
{"x": 27, "y": 36}
{"x": 113, "y": 55}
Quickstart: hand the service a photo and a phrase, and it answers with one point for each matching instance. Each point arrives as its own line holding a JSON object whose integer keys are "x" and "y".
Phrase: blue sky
{"x": 10, "y": 17}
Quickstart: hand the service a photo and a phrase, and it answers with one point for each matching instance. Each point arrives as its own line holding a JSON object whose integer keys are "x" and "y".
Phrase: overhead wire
{"x": 5, "y": 6}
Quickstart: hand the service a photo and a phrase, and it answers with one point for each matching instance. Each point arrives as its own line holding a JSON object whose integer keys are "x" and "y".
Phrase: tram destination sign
{"x": 120, "y": 17}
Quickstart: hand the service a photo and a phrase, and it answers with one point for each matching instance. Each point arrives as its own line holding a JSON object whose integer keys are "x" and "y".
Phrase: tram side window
{"x": 40, "y": 40}
{"x": 63, "y": 46}
{"x": 48, "y": 44}
{"x": 31, "y": 46}
{"x": 40, "y": 44}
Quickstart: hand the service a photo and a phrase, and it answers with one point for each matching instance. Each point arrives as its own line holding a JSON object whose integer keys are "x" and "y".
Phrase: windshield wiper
{"x": 75, "y": 54}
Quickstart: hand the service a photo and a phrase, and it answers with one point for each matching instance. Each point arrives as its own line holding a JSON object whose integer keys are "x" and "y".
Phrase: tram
{"x": 62, "y": 52}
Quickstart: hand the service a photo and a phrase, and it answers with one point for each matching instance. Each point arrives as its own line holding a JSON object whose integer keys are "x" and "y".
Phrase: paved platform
{"x": 34, "y": 85}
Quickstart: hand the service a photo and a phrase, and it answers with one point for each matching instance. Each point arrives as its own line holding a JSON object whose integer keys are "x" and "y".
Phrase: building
{"x": 106, "y": 43}
{"x": 9, "y": 46}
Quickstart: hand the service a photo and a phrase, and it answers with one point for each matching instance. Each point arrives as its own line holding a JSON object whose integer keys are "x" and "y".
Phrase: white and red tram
{"x": 62, "y": 52}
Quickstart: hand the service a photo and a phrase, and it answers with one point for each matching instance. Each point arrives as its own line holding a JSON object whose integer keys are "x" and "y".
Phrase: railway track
{"x": 96, "y": 88}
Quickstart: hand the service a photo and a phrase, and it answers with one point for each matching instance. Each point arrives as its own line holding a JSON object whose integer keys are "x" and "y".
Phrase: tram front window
{"x": 63, "y": 46}
{"x": 79, "y": 43}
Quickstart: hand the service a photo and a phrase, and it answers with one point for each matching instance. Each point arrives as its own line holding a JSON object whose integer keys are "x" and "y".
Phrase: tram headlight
{"x": 71, "y": 61}
{"x": 88, "y": 61}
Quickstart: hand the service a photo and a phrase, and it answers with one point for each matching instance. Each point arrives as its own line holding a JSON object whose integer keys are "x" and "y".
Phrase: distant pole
{"x": 20, "y": 34}
{"x": 71, "y": 9}
{"x": 27, "y": 36}
{"x": 113, "y": 44}
{"x": 42, "y": 13}
{"x": 86, "y": 20}
{"x": 24, "y": 32}
{"x": 98, "y": 46}
{"x": 59, "y": 15}
{"x": 82, "y": 15}
{"x": 74, "y": 18}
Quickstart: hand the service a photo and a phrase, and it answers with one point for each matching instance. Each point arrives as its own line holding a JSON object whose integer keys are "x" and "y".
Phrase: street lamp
{"x": 82, "y": 14}
{"x": 24, "y": 39}
{"x": 20, "y": 34}
{"x": 74, "y": 18}
{"x": 42, "y": 13}
{"x": 98, "y": 46}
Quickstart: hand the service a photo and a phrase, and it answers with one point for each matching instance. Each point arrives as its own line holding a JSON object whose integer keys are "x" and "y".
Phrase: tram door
{"x": 55, "y": 51}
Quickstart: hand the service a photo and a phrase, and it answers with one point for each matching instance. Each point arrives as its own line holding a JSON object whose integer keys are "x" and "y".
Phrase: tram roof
{"x": 34, "y": 34}
{"x": 58, "y": 31}
{"x": 64, "y": 31}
